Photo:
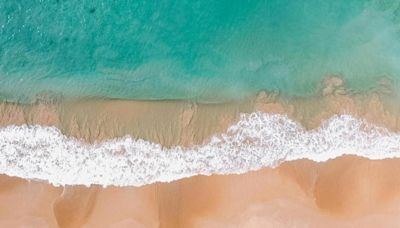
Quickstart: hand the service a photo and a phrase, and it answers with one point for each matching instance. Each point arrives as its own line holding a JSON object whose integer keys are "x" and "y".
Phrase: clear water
{"x": 205, "y": 50}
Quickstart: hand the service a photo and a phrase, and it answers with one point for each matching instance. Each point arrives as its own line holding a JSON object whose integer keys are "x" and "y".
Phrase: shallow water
{"x": 208, "y": 51}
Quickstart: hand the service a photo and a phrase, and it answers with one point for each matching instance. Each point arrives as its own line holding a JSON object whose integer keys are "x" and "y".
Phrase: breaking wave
{"x": 258, "y": 140}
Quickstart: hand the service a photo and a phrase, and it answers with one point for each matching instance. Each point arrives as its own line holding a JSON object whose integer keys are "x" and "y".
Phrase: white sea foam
{"x": 257, "y": 140}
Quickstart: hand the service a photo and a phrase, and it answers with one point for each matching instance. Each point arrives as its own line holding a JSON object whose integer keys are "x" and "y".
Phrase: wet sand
{"x": 185, "y": 123}
{"x": 345, "y": 192}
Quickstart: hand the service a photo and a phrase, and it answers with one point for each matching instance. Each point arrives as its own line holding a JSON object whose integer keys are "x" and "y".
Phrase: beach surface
{"x": 343, "y": 190}
{"x": 347, "y": 192}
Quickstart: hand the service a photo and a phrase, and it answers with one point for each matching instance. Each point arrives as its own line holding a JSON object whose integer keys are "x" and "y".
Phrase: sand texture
{"x": 344, "y": 192}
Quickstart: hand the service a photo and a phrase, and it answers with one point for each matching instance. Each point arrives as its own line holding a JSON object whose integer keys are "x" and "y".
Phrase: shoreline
{"x": 345, "y": 191}
{"x": 134, "y": 143}
{"x": 342, "y": 190}
{"x": 257, "y": 140}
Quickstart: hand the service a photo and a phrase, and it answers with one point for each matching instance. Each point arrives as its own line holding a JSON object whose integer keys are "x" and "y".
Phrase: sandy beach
{"x": 346, "y": 192}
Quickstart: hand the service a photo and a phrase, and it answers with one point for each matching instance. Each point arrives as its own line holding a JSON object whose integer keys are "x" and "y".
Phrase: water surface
{"x": 205, "y": 50}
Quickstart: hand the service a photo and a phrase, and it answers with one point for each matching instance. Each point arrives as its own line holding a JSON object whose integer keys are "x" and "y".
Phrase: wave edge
{"x": 257, "y": 140}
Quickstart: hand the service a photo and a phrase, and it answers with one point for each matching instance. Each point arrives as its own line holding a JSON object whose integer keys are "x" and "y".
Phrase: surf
{"x": 256, "y": 141}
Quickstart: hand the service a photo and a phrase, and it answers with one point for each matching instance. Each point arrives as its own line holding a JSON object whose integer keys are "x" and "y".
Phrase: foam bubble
{"x": 257, "y": 140}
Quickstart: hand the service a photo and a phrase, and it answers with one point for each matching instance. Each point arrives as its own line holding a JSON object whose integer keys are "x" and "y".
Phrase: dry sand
{"x": 344, "y": 192}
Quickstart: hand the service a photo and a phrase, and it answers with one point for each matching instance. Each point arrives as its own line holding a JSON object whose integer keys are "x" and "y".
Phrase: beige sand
{"x": 344, "y": 192}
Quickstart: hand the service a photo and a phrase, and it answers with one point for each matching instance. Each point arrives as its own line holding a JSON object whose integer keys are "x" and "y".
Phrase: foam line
{"x": 258, "y": 140}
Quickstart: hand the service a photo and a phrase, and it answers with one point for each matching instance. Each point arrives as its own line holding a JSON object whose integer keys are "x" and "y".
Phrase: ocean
{"x": 204, "y": 51}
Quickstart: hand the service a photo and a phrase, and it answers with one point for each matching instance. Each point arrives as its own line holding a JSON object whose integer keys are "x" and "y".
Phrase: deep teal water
{"x": 201, "y": 50}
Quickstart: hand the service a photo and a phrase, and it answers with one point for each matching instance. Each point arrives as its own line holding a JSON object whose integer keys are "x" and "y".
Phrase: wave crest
{"x": 257, "y": 140}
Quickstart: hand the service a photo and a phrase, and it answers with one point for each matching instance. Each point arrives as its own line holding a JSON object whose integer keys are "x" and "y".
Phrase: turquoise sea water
{"x": 205, "y": 50}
